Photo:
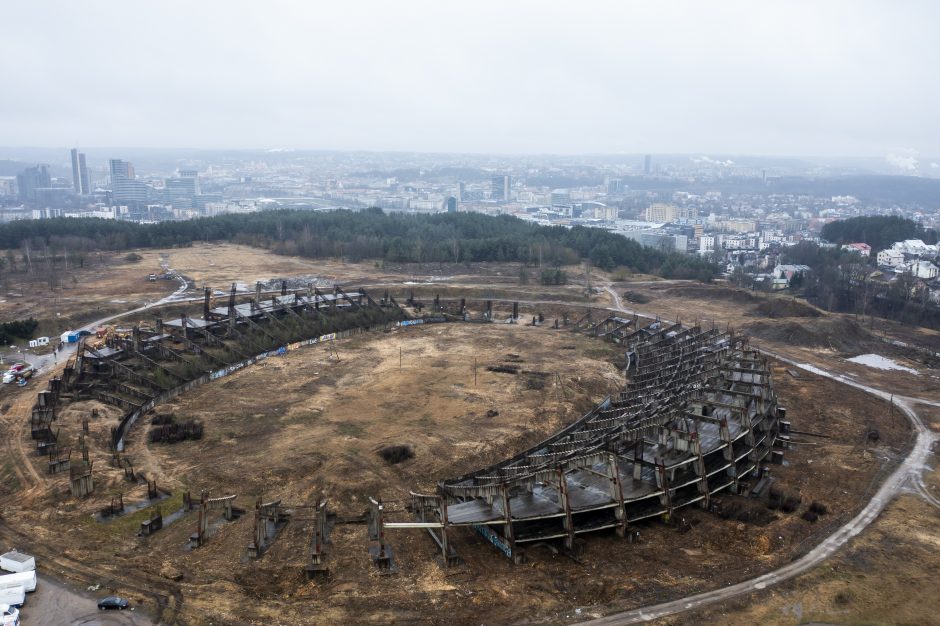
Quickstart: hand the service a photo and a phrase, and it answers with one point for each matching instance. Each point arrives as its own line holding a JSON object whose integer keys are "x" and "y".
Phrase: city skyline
{"x": 692, "y": 78}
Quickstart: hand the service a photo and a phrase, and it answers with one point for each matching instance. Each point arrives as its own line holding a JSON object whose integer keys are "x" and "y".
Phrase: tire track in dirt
{"x": 166, "y": 595}
{"x": 16, "y": 422}
{"x": 21, "y": 425}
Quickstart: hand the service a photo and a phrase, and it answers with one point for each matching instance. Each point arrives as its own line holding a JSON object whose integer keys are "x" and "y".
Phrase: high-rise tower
{"x": 500, "y": 188}
{"x": 79, "y": 173}
{"x": 76, "y": 180}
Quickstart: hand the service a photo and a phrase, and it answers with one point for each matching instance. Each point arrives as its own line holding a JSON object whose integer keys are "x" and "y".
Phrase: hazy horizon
{"x": 796, "y": 80}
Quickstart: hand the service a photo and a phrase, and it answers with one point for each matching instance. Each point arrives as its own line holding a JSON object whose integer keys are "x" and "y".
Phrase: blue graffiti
{"x": 494, "y": 539}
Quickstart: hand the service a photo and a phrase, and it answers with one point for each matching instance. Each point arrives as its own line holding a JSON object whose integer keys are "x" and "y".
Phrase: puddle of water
{"x": 172, "y": 517}
{"x": 129, "y": 508}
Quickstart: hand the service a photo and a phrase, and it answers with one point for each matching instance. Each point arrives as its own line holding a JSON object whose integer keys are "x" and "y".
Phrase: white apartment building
{"x": 890, "y": 258}
{"x": 924, "y": 269}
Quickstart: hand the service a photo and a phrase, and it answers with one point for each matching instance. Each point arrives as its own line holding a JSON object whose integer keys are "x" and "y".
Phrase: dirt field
{"x": 219, "y": 265}
{"x": 308, "y": 425}
{"x": 886, "y": 575}
{"x": 106, "y": 284}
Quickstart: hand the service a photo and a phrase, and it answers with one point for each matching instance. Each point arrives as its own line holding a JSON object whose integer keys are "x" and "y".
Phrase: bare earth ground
{"x": 305, "y": 425}
{"x": 219, "y": 265}
{"x": 887, "y": 575}
{"x": 106, "y": 284}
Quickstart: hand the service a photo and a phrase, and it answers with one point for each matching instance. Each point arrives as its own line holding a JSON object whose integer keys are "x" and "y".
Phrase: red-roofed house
{"x": 862, "y": 248}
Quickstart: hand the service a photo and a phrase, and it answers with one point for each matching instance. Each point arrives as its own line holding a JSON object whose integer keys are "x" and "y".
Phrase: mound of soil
{"x": 835, "y": 334}
{"x": 714, "y": 292}
{"x": 785, "y": 307}
{"x": 635, "y": 297}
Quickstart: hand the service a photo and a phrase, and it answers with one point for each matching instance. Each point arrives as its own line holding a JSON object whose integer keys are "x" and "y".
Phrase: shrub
{"x": 396, "y": 454}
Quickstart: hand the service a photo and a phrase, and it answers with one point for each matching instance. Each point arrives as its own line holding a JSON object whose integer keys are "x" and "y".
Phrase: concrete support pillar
{"x": 566, "y": 505}
{"x": 638, "y": 460}
{"x": 509, "y": 532}
{"x": 616, "y": 492}
{"x": 445, "y": 546}
{"x": 663, "y": 480}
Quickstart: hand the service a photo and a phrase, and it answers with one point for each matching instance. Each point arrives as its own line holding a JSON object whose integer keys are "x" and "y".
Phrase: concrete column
{"x": 616, "y": 489}
{"x": 509, "y": 534}
{"x": 569, "y": 523}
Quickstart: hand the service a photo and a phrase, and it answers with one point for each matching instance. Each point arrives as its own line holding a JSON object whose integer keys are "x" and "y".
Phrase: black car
{"x": 112, "y": 602}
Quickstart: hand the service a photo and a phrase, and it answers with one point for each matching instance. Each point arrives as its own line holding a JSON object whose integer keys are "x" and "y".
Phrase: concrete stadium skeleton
{"x": 890, "y": 487}
{"x": 697, "y": 417}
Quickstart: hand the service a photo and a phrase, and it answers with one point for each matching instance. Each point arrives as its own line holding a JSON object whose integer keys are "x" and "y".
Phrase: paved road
{"x": 909, "y": 473}
{"x": 43, "y": 362}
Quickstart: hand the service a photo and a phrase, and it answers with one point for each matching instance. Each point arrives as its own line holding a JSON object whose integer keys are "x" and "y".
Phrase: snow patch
{"x": 879, "y": 362}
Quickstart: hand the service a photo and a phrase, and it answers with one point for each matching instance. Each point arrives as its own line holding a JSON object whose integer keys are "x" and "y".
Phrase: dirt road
{"x": 43, "y": 362}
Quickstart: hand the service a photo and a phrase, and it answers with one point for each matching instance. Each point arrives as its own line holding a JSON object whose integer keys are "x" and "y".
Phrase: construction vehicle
{"x": 104, "y": 334}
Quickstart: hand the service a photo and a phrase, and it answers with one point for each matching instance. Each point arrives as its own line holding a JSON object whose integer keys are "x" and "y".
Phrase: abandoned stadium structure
{"x": 141, "y": 368}
{"x": 697, "y": 416}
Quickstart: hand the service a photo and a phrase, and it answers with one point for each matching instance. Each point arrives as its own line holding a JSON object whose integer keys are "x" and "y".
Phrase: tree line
{"x": 848, "y": 282}
{"x": 877, "y": 231}
{"x": 22, "y": 329}
{"x": 371, "y": 235}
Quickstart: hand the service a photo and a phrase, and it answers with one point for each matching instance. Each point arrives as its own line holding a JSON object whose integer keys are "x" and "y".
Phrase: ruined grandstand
{"x": 698, "y": 416}
{"x": 149, "y": 364}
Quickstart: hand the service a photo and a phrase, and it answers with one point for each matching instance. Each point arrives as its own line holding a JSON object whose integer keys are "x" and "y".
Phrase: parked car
{"x": 112, "y": 602}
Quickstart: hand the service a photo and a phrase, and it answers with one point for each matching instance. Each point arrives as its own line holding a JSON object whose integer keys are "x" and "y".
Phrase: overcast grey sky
{"x": 848, "y": 78}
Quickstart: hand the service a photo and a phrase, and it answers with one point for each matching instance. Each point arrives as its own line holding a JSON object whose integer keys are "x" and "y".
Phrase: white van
{"x": 15, "y": 562}
{"x": 12, "y": 596}
{"x": 26, "y": 580}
